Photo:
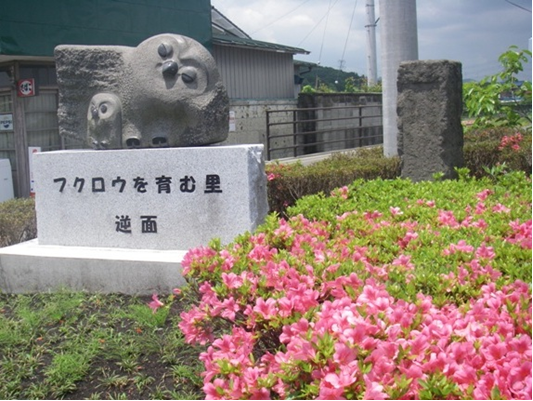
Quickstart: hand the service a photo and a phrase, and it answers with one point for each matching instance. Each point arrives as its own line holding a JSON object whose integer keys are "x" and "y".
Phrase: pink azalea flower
{"x": 229, "y": 308}
{"x": 215, "y": 390}
{"x": 485, "y": 252}
{"x": 408, "y": 237}
{"x": 414, "y": 371}
{"x": 374, "y": 390}
{"x": 266, "y": 309}
{"x": 344, "y": 378}
{"x": 342, "y": 192}
{"x": 521, "y": 234}
{"x": 260, "y": 394}
{"x": 344, "y": 354}
{"x": 447, "y": 218}
{"x": 499, "y": 208}
{"x": 481, "y": 196}
{"x": 193, "y": 326}
{"x": 395, "y": 211}
{"x": 480, "y": 208}
{"x": 465, "y": 375}
{"x": 231, "y": 280}
{"x": 372, "y": 215}
{"x": 155, "y": 304}
{"x": 403, "y": 260}
{"x": 461, "y": 246}
{"x": 330, "y": 393}
{"x": 285, "y": 306}
{"x": 423, "y": 202}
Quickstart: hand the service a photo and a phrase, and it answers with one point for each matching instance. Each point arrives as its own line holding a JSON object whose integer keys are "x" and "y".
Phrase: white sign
{"x": 6, "y": 122}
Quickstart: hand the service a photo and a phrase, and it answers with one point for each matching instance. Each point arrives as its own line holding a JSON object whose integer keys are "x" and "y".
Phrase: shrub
{"x": 385, "y": 289}
{"x": 289, "y": 182}
{"x": 17, "y": 221}
{"x": 488, "y": 148}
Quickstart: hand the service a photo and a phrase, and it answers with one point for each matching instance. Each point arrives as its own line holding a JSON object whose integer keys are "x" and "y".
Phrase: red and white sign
{"x": 26, "y": 87}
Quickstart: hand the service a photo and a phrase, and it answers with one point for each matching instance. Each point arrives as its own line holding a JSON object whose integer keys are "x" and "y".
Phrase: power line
{"x": 324, "y": 34}
{"x": 316, "y": 26}
{"x": 517, "y": 5}
{"x": 349, "y": 29}
{"x": 283, "y": 16}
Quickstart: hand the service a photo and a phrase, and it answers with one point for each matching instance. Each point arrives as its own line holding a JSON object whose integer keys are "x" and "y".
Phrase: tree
{"x": 500, "y": 99}
{"x": 330, "y": 77}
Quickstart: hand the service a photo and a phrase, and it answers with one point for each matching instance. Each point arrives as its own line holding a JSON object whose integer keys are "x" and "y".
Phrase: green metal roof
{"x": 227, "y": 40}
{"x": 35, "y": 27}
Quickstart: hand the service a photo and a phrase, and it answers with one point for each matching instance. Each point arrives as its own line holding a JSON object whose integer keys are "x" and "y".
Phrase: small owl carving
{"x": 104, "y": 121}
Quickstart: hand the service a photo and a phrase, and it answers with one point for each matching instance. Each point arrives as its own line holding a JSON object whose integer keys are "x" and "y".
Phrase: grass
{"x": 85, "y": 346}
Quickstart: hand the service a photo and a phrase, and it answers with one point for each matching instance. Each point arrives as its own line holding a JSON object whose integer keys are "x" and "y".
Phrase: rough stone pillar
{"x": 430, "y": 134}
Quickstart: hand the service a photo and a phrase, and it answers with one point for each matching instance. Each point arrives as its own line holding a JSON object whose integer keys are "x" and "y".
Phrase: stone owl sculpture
{"x": 166, "y": 92}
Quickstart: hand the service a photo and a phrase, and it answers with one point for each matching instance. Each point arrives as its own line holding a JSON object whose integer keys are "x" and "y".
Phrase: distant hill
{"x": 331, "y": 77}
{"x": 328, "y": 76}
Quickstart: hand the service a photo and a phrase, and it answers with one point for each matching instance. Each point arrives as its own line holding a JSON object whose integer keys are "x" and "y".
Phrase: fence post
{"x": 295, "y": 137}
{"x": 360, "y": 129}
{"x": 268, "y": 134}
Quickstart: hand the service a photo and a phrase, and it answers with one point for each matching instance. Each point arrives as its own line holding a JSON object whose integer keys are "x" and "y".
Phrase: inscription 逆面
{"x": 148, "y": 224}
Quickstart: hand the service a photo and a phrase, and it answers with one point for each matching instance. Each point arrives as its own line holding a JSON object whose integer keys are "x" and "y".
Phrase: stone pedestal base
{"x": 120, "y": 221}
{"x": 32, "y": 268}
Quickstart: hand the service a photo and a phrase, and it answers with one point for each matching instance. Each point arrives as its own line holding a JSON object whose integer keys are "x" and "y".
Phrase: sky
{"x": 474, "y": 32}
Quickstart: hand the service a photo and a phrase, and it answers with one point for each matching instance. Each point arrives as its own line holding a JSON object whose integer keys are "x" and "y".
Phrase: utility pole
{"x": 371, "y": 63}
{"x": 399, "y": 42}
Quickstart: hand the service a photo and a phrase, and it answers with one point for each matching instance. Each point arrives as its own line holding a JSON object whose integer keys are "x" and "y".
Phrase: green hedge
{"x": 17, "y": 221}
{"x": 290, "y": 182}
{"x": 482, "y": 152}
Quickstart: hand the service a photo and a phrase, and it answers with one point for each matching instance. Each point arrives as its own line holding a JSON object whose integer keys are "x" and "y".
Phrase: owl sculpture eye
{"x": 188, "y": 74}
{"x": 103, "y": 109}
{"x": 164, "y": 50}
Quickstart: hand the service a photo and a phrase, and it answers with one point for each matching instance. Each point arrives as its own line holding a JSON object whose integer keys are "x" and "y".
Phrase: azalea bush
{"x": 384, "y": 289}
{"x": 486, "y": 149}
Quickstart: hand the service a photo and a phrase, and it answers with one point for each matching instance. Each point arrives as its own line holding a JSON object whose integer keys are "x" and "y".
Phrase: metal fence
{"x": 297, "y": 132}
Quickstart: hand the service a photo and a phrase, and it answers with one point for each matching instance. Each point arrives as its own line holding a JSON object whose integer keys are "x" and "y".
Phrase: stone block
{"x": 166, "y": 92}
{"x": 161, "y": 199}
{"x": 430, "y": 134}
